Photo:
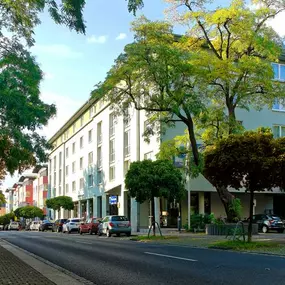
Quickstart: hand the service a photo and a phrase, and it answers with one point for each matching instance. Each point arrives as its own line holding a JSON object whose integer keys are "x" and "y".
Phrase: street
{"x": 119, "y": 261}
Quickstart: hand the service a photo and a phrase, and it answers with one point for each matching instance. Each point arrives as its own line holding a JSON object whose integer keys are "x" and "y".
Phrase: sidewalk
{"x": 14, "y": 271}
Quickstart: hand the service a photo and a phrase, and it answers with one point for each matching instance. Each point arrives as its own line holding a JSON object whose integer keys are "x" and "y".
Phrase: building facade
{"x": 93, "y": 150}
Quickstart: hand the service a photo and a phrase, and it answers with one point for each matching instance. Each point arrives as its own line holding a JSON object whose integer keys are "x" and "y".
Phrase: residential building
{"x": 93, "y": 150}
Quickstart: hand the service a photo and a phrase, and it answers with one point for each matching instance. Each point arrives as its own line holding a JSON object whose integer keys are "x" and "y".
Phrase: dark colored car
{"x": 90, "y": 226}
{"x": 57, "y": 225}
{"x": 269, "y": 222}
{"x": 45, "y": 226}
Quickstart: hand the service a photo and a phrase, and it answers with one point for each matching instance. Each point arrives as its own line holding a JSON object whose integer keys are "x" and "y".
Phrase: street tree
{"x": 29, "y": 212}
{"x": 59, "y": 202}
{"x": 2, "y": 198}
{"x": 201, "y": 77}
{"x": 6, "y": 219}
{"x": 148, "y": 179}
{"x": 250, "y": 161}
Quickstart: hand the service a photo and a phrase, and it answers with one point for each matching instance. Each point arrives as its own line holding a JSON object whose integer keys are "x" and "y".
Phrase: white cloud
{"x": 59, "y": 50}
{"x": 278, "y": 24}
{"x": 48, "y": 75}
{"x": 97, "y": 40}
{"x": 66, "y": 107}
{"x": 121, "y": 36}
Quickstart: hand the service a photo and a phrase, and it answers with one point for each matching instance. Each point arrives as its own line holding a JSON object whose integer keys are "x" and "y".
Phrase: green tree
{"x": 251, "y": 161}
{"x": 2, "y": 198}
{"x": 29, "y": 212}
{"x": 200, "y": 78}
{"x": 5, "y": 219}
{"x": 148, "y": 179}
{"x": 59, "y": 202}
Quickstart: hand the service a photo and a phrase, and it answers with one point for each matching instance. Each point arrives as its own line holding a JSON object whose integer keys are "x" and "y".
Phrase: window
{"x": 73, "y": 148}
{"x": 99, "y": 132}
{"x": 278, "y": 131}
{"x": 126, "y": 166}
{"x": 111, "y": 125}
{"x": 81, "y": 121}
{"x": 66, "y": 188}
{"x": 112, "y": 173}
{"x": 112, "y": 151}
{"x": 279, "y": 71}
{"x": 66, "y": 170}
{"x": 81, "y": 183}
{"x": 99, "y": 177}
{"x": 73, "y": 186}
{"x": 54, "y": 163}
{"x": 60, "y": 172}
{"x": 278, "y": 105}
{"x": 148, "y": 155}
{"x": 99, "y": 157}
{"x": 73, "y": 167}
{"x": 66, "y": 152}
{"x": 60, "y": 159}
{"x": 90, "y": 180}
{"x": 81, "y": 163}
{"x": 127, "y": 118}
{"x": 90, "y": 134}
{"x": 127, "y": 143}
{"x": 74, "y": 128}
{"x": 90, "y": 157}
{"x": 81, "y": 142}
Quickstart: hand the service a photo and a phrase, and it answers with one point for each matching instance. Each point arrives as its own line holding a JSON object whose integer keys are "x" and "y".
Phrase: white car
{"x": 35, "y": 226}
{"x": 14, "y": 226}
{"x": 71, "y": 225}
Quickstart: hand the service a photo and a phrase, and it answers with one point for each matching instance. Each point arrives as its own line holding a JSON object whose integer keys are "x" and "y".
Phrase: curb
{"x": 55, "y": 273}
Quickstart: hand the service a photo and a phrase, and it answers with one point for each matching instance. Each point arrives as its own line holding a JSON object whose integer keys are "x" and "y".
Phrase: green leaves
{"x": 148, "y": 179}
{"x": 64, "y": 202}
{"x": 29, "y": 212}
{"x": 2, "y": 198}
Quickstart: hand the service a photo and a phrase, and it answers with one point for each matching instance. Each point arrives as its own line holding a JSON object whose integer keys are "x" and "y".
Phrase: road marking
{"x": 84, "y": 242}
{"x": 171, "y": 256}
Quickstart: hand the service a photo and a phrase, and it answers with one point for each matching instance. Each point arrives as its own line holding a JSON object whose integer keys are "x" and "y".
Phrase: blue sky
{"x": 74, "y": 63}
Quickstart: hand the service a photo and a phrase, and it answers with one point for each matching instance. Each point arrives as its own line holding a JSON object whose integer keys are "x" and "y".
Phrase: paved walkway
{"x": 14, "y": 271}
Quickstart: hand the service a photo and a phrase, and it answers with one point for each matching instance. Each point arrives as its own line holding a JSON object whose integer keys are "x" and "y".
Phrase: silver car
{"x": 115, "y": 225}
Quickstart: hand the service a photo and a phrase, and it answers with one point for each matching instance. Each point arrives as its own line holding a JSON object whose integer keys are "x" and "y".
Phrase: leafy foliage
{"x": 148, "y": 179}
{"x": 5, "y": 219}
{"x": 253, "y": 161}
{"x": 29, "y": 212}
{"x": 2, "y": 198}
{"x": 56, "y": 203}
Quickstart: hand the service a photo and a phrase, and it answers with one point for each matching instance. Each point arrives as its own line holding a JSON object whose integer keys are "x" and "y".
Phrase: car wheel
{"x": 264, "y": 229}
{"x": 90, "y": 232}
{"x": 118, "y": 234}
{"x": 57, "y": 230}
{"x": 280, "y": 231}
{"x": 80, "y": 232}
{"x": 99, "y": 233}
{"x": 108, "y": 234}
{"x": 128, "y": 234}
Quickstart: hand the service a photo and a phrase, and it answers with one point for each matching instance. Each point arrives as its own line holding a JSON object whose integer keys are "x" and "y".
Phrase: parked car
{"x": 57, "y": 225}
{"x": 35, "y": 225}
{"x": 28, "y": 226}
{"x": 6, "y": 227}
{"x": 14, "y": 226}
{"x": 71, "y": 225}
{"x": 45, "y": 225}
{"x": 114, "y": 225}
{"x": 90, "y": 226}
{"x": 269, "y": 222}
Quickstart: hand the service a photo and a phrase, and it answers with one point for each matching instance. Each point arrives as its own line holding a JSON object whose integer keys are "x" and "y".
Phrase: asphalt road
{"x": 117, "y": 261}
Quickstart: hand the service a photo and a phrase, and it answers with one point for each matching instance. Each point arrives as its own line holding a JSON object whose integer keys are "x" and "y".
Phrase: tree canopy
{"x": 29, "y": 212}
{"x": 201, "y": 78}
{"x": 253, "y": 161}
{"x": 56, "y": 203}
{"x": 2, "y": 198}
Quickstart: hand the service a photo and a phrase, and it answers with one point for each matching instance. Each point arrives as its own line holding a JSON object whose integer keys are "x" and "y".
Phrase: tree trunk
{"x": 249, "y": 234}
{"x": 232, "y": 119}
{"x": 153, "y": 216}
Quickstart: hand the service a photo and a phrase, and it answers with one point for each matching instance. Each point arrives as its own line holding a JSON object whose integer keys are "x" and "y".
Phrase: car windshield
{"x": 119, "y": 219}
{"x": 75, "y": 221}
{"x": 275, "y": 218}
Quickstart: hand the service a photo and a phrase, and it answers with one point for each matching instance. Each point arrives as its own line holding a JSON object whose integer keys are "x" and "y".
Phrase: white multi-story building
{"x": 93, "y": 150}
{"x": 92, "y": 153}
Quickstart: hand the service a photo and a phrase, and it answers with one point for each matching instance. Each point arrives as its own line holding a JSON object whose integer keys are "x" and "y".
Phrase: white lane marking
{"x": 84, "y": 242}
{"x": 171, "y": 256}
